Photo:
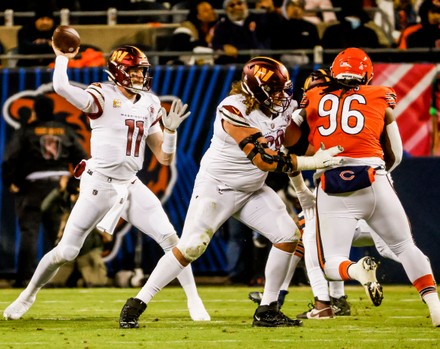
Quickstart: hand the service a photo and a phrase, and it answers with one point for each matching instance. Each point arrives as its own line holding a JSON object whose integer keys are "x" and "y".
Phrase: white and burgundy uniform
{"x": 228, "y": 184}
{"x": 120, "y": 129}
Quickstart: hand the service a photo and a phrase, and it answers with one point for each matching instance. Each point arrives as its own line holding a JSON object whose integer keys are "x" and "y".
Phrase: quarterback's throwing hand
{"x": 176, "y": 115}
{"x": 57, "y": 52}
{"x": 323, "y": 158}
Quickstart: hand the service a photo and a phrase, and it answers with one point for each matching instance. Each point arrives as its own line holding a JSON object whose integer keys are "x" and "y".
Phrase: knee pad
{"x": 195, "y": 246}
{"x": 169, "y": 242}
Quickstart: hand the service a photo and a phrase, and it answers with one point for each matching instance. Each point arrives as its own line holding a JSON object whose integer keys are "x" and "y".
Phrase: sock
{"x": 277, "y": 265}
{"x": 167, "y": 269}
{"x": 336, "y": 289}
{"x": 46, "y": 270}
{"x": 292, "y": 267}
{"x": 319, "y": 284}
{"x": 432, "y": 301}
{"x": 186, "y": 279}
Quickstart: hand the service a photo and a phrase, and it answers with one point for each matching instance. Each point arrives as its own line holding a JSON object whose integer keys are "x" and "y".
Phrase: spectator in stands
{"x": 404, "y": 14}
{"x": 316, "y": 17}
{"x": 402, "y": 41}
{"x": 302, "y": 34}
{"x": 239, "y": 30}
{"x": 39, "y": 154}
{"x": 351, "y": 31}
{"x": 194, "y": 34}
{"x": 428, "y": 35}
{"x": 36, "y": 37}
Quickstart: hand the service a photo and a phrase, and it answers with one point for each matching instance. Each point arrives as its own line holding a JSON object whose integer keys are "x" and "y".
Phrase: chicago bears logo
{"x": 160, "y": 179}
{"x": 347, "y": 175}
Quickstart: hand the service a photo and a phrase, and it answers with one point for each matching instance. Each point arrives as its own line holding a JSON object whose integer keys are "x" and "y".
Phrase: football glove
{"x": 175, "y": 117}
{"x": 323, "y": 158}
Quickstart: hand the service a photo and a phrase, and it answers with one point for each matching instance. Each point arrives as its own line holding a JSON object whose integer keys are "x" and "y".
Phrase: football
{"x": 66, "y": 39}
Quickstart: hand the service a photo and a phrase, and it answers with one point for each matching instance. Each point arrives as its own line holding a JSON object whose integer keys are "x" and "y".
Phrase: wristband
{"x": 169, "y": 142}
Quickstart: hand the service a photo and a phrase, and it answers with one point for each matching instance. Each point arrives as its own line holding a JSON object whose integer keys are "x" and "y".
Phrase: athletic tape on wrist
{"x": 298, "y": 183}
{"x": 169, "y": 142}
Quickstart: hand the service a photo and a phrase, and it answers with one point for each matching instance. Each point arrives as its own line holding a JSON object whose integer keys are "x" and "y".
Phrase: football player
{"x": 330, "y": 299}
{"x": 349, "y": 111}
{"x": 250, "y": 127}
{"x": 124, "y": 118}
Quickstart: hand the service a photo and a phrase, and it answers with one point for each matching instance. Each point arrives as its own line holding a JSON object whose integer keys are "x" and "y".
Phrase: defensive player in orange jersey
{"x": 348, "y": 111}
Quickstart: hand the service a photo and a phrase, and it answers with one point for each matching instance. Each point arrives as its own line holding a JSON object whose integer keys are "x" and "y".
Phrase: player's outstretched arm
{"x": 323, "y": 158}
{"x": 163, "y": 145}
{"x": 75, "y": 95}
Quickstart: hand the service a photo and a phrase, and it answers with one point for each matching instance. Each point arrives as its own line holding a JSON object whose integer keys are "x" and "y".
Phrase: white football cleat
{"x": 18, "y": 308}
{"x": 365, "y": 269}
{"x": 197, "y": 310}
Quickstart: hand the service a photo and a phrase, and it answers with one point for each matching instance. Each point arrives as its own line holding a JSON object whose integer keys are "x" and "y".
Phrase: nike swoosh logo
{"x": 257, "y": 318}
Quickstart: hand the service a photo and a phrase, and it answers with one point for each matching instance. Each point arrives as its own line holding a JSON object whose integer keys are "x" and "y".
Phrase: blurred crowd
{"x": 223, "y": 28}
{"x": 220, "y": 35}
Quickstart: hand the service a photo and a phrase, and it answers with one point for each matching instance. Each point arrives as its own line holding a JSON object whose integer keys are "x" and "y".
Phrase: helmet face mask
{"x": 268, "y": 82}
{"x": 124, "y": 66}
{"x": 352, "y": 66}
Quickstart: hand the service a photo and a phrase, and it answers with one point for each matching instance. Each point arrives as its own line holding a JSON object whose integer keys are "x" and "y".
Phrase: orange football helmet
{"x": 352, "y": 64}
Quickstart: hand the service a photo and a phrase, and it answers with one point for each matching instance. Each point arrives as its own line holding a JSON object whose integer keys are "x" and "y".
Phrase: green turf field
{"x": 87, "y": 318}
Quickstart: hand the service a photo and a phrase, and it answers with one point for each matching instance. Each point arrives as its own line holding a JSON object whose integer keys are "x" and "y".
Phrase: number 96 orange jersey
{"x": 353, "y": 119}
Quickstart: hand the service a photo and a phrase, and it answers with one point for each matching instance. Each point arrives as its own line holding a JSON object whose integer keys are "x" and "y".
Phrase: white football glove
{"x": 176, "y": 115}
{"x": 305, "y": 196}
{"x": 323, "y": 158}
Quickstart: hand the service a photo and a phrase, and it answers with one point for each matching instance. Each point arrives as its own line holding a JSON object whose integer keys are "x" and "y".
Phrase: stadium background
{"x": 416, "y": 179}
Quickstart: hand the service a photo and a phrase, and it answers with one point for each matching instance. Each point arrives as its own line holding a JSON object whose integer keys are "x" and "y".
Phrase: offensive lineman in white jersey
{"x": 251, "y": 125}
{"x": 124, "y": 118}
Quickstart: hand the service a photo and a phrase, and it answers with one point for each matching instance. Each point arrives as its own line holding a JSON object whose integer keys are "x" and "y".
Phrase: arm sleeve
{"x": 75, "y": 95}
{"x": 394, "y": 152}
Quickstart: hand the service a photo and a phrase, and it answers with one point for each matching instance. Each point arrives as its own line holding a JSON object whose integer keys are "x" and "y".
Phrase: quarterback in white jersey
{"x": 251, "y": 125}
{"x": 124, "y": 118}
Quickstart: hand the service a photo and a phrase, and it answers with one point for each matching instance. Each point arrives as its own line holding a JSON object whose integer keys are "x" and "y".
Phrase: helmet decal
{"x": 353, "y": 66}
{"x": 121, "y": 61}
{"x": 268, "y": 82}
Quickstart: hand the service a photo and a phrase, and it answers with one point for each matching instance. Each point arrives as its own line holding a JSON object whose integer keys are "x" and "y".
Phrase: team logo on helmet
{"x": 268, "y": 81}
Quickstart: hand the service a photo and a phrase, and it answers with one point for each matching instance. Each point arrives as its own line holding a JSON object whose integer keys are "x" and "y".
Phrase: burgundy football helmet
{"x": 352, "y": 64}
{"x": 122, "y": 60}
{"x": 268, "y": 81}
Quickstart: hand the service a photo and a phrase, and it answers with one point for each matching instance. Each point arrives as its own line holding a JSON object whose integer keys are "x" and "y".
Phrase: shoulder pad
{"x": 232, "y": 115}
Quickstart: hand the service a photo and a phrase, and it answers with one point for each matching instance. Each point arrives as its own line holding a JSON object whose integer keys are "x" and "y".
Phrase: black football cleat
{"x": 257, "y": 296}
{"x": 340, "y": 306}
{"x": 130, "y": 313}
{"x": 271, "y": 316}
